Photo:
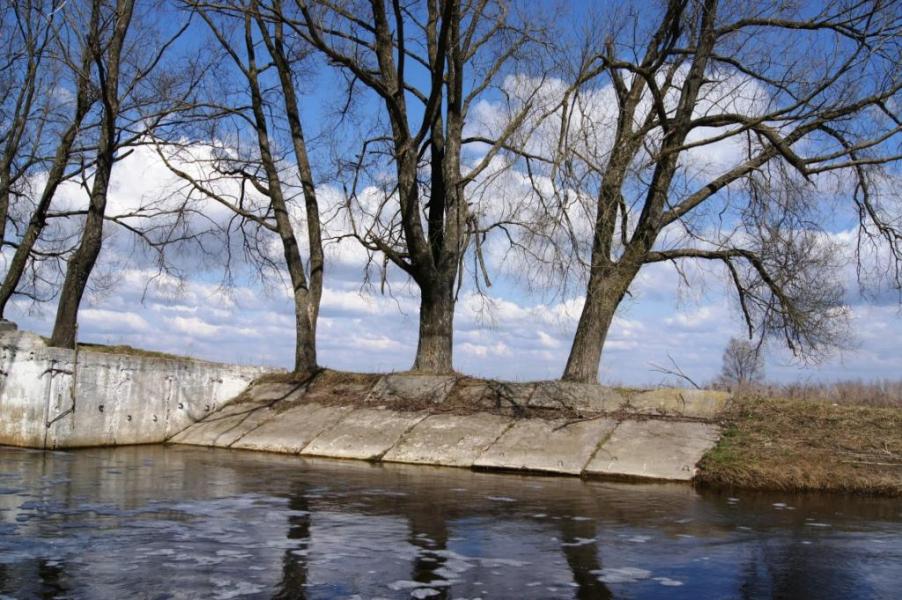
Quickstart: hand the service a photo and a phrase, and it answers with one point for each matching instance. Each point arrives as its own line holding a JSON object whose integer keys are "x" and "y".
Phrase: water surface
{"x": 182, "y": 522}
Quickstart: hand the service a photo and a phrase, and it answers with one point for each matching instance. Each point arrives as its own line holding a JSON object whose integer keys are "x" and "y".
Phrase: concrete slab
{"x": 585, "y": 398}
{"x": 679, "y": 402}
{"x": 275, "y": 392}
{"x": 416, "y": 389}
{"x": 290, "y": 431}
{"x": 556, "y": 446}
{"x": 654, "y": 449}
{"x": 449, "y": 440}
{"x": 364, "y": 434}
{"x": 511, "y": 398}
{"x": 222, "y": 428}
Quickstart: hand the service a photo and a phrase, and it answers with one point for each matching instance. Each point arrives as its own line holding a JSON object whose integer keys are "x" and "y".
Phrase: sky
{"x": 512, "y": 332}
{"x": 516, "y": 329}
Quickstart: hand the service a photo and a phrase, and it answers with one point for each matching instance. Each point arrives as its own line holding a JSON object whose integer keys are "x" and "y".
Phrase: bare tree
{"x": 76, "y": 53}
{"x": 426, "y": 64}
{"x": 107, "y": 58}
{"x": 714, "y": 131}
{"x": 743, "y": 364}
{"x": 110, "y": 91}
{"x": 26, "y": 31}
{"x": 260, "y": 168}
{"x": 134, "y": 95}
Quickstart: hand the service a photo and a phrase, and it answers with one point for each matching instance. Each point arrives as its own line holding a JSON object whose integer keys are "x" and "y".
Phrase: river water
{"x": 182, "y": 522}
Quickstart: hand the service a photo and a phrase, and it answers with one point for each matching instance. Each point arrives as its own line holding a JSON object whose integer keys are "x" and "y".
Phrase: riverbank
{"x": 451, "y": 420}
{"x": 806, "y": 445}
{"x": 55, "y": 398}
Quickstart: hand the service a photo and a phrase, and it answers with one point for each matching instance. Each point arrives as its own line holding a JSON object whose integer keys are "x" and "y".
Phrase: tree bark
{"x": 82, "y": 262}
{"x": 605, "y": 292}
{"x": 436, "y": 333}
{"x": 305, "y": 333}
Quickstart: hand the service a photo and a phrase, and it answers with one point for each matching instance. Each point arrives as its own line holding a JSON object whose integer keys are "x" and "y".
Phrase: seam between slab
{"x": 491, "y": 444}
{"x": 604, "y": 440}
{"x": 378, "y": 458}
{"x": 406, "y": 433}
{"x": 305, "y": 385}
{"x": 327, "y": 429}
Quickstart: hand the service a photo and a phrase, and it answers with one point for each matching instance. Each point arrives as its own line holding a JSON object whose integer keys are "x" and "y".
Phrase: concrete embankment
{"x": 57, "y": 398}
{"x": 549, "y": 427}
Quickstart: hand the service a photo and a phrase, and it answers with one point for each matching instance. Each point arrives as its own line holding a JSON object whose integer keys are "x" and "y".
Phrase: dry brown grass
{"x": 795, "y": 445}
{"x": 881, "y": 392}
{"x": 323, "y": 376}
{"x": 130, "y": 351}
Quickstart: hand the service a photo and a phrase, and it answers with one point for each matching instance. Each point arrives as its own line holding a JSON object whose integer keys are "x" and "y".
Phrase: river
{"x": 184, "y": 522}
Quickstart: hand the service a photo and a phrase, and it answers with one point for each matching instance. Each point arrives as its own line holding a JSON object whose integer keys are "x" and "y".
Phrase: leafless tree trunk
{"x": 107, "y": 62}
{"x": 261, "y": 166}
{"x": 275, "y": 43}
{"x": 422, "y": 227}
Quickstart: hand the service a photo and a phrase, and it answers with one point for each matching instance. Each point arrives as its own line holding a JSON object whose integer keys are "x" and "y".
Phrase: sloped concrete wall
{"x": 548, "y": 427}
{"x": 49, "y": 401}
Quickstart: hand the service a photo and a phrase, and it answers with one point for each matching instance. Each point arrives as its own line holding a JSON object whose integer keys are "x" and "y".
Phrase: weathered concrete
{"x": 53, "y": 398}
{"x": 510, "y": 398}
{"x": 279, "y": 418}
{"x": 675, "y": 401}
{"x": 654, "y": 449}
{"x": 556, "y": 446}
{"x": 365, "y": 434}
{"x": 224, "y": 427}
{"x": 292, "y": 430}
{"x": 411, "y": 389}
{"x": 580, "y": 397}
{"x": 449, "y": 440}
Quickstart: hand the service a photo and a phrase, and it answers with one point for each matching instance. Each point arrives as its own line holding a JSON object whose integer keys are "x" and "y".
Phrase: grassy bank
{"x": 807, "y": 445}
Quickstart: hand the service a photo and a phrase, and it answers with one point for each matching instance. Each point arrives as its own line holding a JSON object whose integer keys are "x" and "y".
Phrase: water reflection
{"x": 186, "y": 522}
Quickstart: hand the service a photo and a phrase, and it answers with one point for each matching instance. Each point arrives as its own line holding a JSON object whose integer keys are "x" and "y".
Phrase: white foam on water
{"x": 621, "y": 574}
{"x": 580, "y": 542}
{"x": 405, "y": 584}
{"x": 236, "y": 589}
{"x": 667, "y": 581}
